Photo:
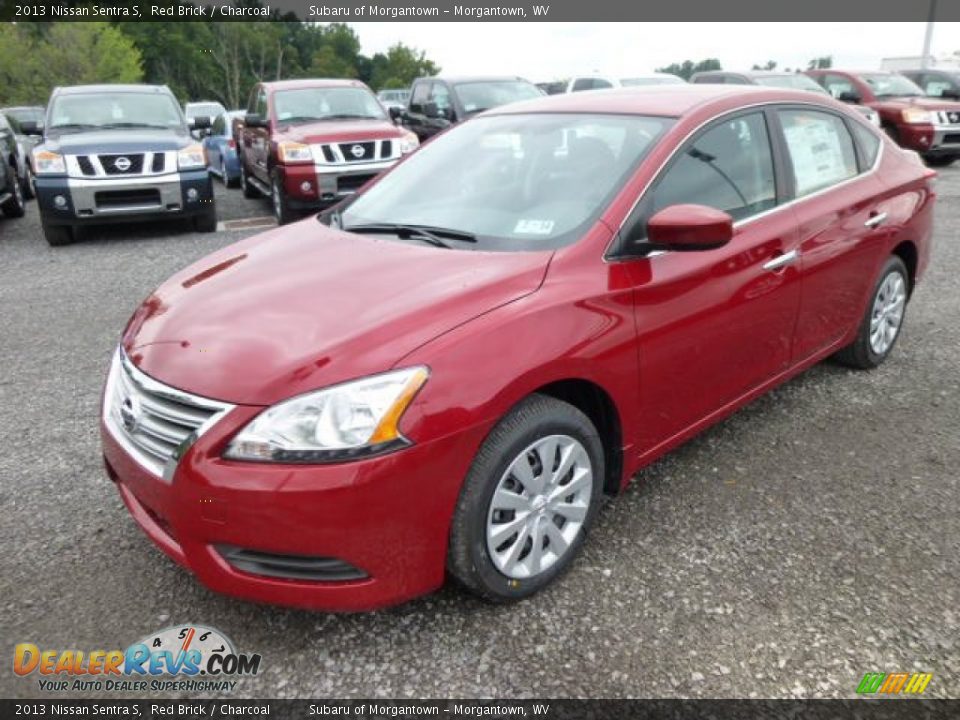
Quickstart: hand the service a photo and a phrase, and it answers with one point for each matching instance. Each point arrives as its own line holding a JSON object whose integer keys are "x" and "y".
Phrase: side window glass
{"x": 599, "y": 84}
{"x": 869, "y": 144}
{"x": 252, "y": 102}
{"x": 728, "y": 167}
{"x": 820, "y": 148}
{"x": 420, "y": 94}
{"x": 261, "y": 104}
{"x": 836, "y": 85}
{"x": 582, "y": 84}
{"x": 441, "y": 96}
{"x": 934, "y": 86}
{"x": 219, "y": 125}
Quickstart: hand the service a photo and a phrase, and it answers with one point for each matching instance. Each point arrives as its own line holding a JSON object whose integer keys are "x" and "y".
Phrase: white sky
{"x": 543, "y": 51}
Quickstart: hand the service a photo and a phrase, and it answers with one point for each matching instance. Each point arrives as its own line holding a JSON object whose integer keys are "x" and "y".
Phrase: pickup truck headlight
{"x": 344, "y": 422}
{"x": 408, "y": 143}
{"x": 48, "y": 163}
{"x": 293, "y": 152}
{"x": 915, "y": 116}
{"x": 192, "y": 157}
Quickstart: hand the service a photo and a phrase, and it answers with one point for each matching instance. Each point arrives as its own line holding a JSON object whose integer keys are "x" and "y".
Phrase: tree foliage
{"x": 687, "y": 68}
{"x": 33, "y": 60}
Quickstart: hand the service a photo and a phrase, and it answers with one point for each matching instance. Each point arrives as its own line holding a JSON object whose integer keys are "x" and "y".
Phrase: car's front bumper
{"x": 316, "y": 186}
{"x": 388, "y": 517}
{"x": 71, "y": 201}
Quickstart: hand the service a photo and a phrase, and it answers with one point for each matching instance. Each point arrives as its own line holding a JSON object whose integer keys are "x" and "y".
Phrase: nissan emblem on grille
{"x": 357, "y": 151}
{"x": 130, "y": 413}
{"x": 954, "y": 117}
{"x": 122, "y": 163}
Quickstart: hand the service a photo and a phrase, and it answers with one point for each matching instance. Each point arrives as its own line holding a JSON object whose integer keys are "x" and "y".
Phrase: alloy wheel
{"x": 887, "y": 314}
{"x": 539, "y": 506}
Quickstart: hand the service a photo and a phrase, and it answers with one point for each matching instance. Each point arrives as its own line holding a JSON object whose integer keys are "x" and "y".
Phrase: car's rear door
{"x": 715, "y": 324}
{"x": 840, "y": 215}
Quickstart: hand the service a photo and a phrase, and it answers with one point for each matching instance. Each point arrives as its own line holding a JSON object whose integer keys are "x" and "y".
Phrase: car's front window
{"x": 325, "y": 103}
{"x": 483, "y": 95}
{"x": 98, "y": 111}
{"x": 884, "y": 85}
{"x": 516, "y": 182}
{"x": 22, "y": 115}
{"x": 792, "y": 82}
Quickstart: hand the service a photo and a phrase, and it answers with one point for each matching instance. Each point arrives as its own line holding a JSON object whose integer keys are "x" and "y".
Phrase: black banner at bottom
{"x": 856, "y": 709}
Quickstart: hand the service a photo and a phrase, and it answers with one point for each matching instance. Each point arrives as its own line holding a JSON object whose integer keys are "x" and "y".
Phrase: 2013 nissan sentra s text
{"x": 445, "y": 375}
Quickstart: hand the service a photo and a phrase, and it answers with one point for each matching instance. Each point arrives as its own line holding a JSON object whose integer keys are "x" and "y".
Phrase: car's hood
{"x": 117, "y": 141}
{"x": 328, "y": 131}
{"x": 305, "y": 306}
{"x": 926, "y": 103}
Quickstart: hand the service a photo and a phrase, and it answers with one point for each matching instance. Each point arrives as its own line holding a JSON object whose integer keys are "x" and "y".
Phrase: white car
{"x": 601, "y": 82}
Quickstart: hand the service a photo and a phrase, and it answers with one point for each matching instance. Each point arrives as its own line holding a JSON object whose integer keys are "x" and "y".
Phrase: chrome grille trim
{"x": 168, "y": 421}
{"x": 78, "y": 166}
{"x": 383, "y": 149}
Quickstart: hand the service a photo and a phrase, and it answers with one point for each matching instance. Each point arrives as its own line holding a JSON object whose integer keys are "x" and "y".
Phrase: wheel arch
{"x": 908, "y": 252}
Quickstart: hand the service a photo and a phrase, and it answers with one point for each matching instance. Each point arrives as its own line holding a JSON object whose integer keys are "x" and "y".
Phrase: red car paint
{"x": 675, "y": 341}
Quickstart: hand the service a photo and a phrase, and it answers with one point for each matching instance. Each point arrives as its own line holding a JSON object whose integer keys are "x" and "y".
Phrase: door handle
{"x": 875, "y": 220}
{"x": 783, "y": 260}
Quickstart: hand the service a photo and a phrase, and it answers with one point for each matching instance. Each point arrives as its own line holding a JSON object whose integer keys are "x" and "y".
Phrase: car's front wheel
{"x": 278, "y": 198}
{"x": 881, "y": 324}
{"x": 249, "y": 191}
{"x": 15, "y": 206}
{"x": 528, "y": 500}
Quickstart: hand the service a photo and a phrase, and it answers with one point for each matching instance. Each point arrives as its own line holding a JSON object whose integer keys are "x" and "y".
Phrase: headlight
{"x": 408, "y": 143}
{"x": 292, "y": 152}
{"x": 191, "y": 157}
{"x": 47, "y": 163}
{"x": 915, "y": 116}
{"x": 343, "y": 422}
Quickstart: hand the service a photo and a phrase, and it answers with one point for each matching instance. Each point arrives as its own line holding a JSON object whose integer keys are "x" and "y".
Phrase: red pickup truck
{"x": 307, "y": 144}
{"x": 931, "y": 126}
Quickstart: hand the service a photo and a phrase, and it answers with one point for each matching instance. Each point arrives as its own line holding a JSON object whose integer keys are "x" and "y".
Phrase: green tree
{"x": 687, "y": 68}
{"x": 399, "y": 67}
{"x": 33, "y": 63}
{"x": 770, "y": 65}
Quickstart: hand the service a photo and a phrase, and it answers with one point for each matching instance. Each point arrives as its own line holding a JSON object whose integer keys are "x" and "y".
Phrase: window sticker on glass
{"x": 533, "y": 227}
{"x": 817, "y": 154}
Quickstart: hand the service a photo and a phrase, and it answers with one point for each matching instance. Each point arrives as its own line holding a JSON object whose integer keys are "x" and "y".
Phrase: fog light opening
{"x": 306, "y": 186}
{"x": 192, "y": 195}
{"x": 60, "y": 201}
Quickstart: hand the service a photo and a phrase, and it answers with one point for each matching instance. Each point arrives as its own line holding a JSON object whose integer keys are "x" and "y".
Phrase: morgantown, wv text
{"x": 464, "y": 11}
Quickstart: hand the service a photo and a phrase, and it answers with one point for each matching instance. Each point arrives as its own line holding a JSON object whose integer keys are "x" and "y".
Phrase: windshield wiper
{"x": 299, "y": 119}
{"x": 348, "y": 116}
{"x": 426, "y": 233}
{"x": 75, "y": 126}
{"x": 135, "y": 125}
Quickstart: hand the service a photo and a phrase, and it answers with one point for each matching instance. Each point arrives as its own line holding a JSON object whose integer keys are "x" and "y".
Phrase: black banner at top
{"x": 481, "y": 10}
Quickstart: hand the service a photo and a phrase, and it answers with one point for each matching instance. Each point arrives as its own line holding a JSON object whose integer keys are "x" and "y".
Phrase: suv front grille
{"x": 362, "y": 151}
{"x": 137, "y": 164}
{"x": 155, "y": 423}
{"x": 948, "y": 117}
{"x": 121, "y": 164}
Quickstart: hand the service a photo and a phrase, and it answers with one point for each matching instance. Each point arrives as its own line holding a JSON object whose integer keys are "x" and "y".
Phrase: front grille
{"x": 948, "y": 117}
{"x": 290, "y": 567}
{"x": 351, "y": 151}
{"x": 386, "y": 148}
{"x": 328, "y": 154}
{"x": 122, "y": 164}
{"x": 148, "y": 197}
{"x": 351, "y": 183}
{"x": 159, "y": 163}
{"x": 86, "y": 167}
{"x": 154, "y": 422}
{"x": 951, "y": 138}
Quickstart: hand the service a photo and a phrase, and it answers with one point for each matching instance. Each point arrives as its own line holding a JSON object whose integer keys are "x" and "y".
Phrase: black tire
{"x": 228, "y": 181}
{"x": 207, "y": 222}
{"x": 58, "y": 235}
{"x": 860, "y": 353}
{"x": 15, "y": 206}
{"x": 940, "y": 160}
{"x": 278, "y": 200}
{"x": 249, "y": 191}
{"x": 468, "y": 558}
{"x": 27, "y": 186}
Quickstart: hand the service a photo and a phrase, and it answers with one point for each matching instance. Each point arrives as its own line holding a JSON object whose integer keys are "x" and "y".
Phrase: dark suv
{"x": 937, "y": 83}
{"x": 436, "y": 103}
{"x": 115, "y": 153}
{"x": 11, "y": 191}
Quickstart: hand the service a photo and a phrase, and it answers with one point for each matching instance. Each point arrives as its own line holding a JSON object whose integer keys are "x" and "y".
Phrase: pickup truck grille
{"x": 362, "y": 151}
{"x": 118, "y": 165}
{"x": 948, "y": 117}
{"x": 154, "y": 422}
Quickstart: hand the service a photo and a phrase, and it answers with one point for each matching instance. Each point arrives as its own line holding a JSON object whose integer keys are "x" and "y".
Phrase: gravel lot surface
{"x": 811, "y": 538}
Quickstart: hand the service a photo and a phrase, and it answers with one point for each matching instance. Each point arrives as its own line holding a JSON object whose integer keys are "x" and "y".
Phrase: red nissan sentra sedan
{"x": 446, "y": 374}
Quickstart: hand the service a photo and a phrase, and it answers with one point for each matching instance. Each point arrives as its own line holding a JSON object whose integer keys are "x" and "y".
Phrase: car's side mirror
{"x": 848, "y": 96}
{"x": 254, "y": 120}
{"x": 431, "y": 110}
{"x": 396, "y": 113}
{"x": 689, "y": 228}
{"x": 31, "y": 127}
{"x": 201, "y": 122}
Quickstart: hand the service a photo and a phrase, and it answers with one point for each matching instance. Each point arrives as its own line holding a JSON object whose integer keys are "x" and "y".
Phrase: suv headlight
{"x": 408, "y": 143}
{"x": 344, "y": 422}
{"x": 915, "y": 116}
{"x": 294, "y": 152}
{"x": 48, "y": 163}
{"x": 192, "y": 157}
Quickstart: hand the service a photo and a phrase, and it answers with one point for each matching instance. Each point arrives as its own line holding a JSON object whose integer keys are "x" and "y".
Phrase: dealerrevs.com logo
{"x": 190, "y": 658}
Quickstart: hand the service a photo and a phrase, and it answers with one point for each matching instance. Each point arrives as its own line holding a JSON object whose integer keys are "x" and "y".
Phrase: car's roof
{"x": 475, "y": 78}
{"x": 311, "y": 83}
{"x": 81, "y": 89}
{"x": 660, "y": 100}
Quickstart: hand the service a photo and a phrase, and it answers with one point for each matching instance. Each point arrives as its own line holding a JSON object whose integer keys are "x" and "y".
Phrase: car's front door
{"x": 414, "y": 118}
{"x": 713, "y": 325}
{"x": 261, "y": 137}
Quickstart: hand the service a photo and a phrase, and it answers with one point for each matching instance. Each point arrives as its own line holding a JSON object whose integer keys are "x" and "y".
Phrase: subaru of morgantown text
{"x": 444, "y": 375}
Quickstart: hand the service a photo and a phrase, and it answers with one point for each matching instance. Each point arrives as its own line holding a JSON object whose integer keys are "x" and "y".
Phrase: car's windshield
{"x": 891, "y": 85}
{"x": 204, "y": 110}
{"x": 114, "y": 110}
{"x": 793, "y": 81}
{"x": 482, "y": 95}
{"x": 325, "y": 103}
{"x": 652, "y": 80}
{"x": 517, "y": 182}
{"x": 22, "y": 115}
{"x": 394, "y": 95}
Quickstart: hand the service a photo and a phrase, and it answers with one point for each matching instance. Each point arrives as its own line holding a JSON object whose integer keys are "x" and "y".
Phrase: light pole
{"x": 928, "y": 36}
